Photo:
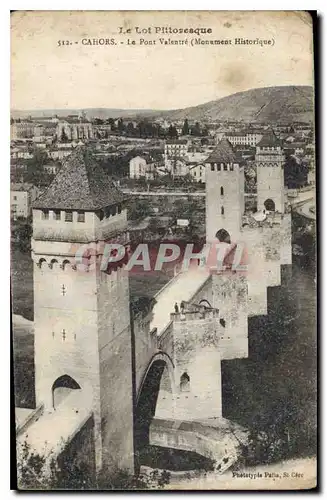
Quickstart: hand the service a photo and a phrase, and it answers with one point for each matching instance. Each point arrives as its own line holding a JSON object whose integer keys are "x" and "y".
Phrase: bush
{"x": 35, "y": 472}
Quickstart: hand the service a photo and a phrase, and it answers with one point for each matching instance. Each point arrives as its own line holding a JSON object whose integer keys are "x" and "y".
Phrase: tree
{"x": 186, "y": 128}
{"x": 35, "y": 173}
{"x": 111, "y": 122}
{"x": 196, "y": 130}
{"x": 21, "y": 232}
{"x": 37, "y": 472}
{"x": 172, "y": 132}
{"x": 138, "y": 210}
{"x": 120, "y": 126}
{"x": 63, "y": 136}
{"x": 296, "y": 173}
{"x": 130, "y": 129}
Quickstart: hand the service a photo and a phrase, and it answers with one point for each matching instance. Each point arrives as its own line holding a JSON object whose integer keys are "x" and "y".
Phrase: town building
{"x": 244, "y": 138}
{"x": 22, "y": 195}
{"x": 197, "y": 171}
{"x": 22, "y": 130}
{"x": 21, "y": 152}
{"x": 137, "y": 167}
{"x": 175, "y": 149}
{"x": 52, "y": 168}
{"x": 74, "y": 127}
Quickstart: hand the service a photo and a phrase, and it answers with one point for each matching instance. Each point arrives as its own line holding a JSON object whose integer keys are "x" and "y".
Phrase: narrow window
{"x": 119, "y": 209}
{"x": 225, "y": 167}
{"x": 212, "y": 167}
{"x": 45, "y": 214}
{"x": 56, "y": 214}
{"x": 231, "y": 167}
{"x": 222, "y": 211}
{"x": 221, "y": 191}
{"x": 80, "y": 216}
{"x": 69, "y": 216}
{"x": 184, "y": 383}
{"x": 219, "y": 168}
{"x": 114, "y": 210}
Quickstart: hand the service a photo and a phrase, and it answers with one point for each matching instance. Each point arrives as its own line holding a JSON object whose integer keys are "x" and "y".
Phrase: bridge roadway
{"x": 182, "y": 287}
{"x": 302, "y": 195}
{"x": 53, "y": 428}
{"x": 194, "y": 194}
{"x": 305, "y": 209}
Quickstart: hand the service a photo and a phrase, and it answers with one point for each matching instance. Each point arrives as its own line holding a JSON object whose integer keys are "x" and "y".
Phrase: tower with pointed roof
{"x": 81, "y": 308}
{"x": 224, "y": 193}
{"x": 269, "y": 161}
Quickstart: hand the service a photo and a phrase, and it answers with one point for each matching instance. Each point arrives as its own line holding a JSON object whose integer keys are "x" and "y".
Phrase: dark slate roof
{"x": 81, "y": 184}
{"x": 223, "y": 153}
{"x": 269, "y": 140}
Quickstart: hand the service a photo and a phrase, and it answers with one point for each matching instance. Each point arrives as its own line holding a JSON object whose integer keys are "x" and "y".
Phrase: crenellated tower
{"x": 224, "y": 193}
{"x": 82, "y": 321}
{"x": 269, "y": 161}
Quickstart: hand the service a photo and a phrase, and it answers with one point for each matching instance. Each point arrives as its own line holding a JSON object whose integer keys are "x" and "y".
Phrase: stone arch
{"x": 53, "y": 264}
{"x": 41, "y": 263}
{"x": 61, "y": 388}
{"x": 66, "y": 264}
{"x": 158, "y": 358}
{"x": 270, "y": 205}
{"x": 206, "y": 303}
{"x": 147, "y": 396}
{"x": 223, "y": 236}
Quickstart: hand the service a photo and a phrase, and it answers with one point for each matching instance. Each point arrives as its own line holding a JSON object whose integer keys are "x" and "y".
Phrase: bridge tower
{"x": 224, "y": 193}
{"x": 81, "y": 312}
{"x": 269, "y": 161}
{"x": 224, "y": 211}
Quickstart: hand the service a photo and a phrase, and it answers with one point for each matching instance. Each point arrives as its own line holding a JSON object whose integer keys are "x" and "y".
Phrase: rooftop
{"x": 223, "y": 153}
{"x": 177, "y": 141}
{"x": 81, "y": 184}
{"x": 269, "y": 140}
{"x": 21, "y": 186}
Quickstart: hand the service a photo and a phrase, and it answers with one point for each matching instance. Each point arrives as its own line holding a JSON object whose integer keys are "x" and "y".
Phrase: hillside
{"x": 269, "y": 104}
{"x": 288, "y": 103}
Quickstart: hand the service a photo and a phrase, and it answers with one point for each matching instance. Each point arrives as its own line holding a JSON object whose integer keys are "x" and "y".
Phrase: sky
{"x": 45, "y": 75}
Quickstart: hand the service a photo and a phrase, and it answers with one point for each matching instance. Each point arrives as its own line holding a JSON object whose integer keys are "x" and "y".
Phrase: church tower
{"x": 224, "y": 193}
{"x": 81, "y": 312}
{"x": 269, "y": 161}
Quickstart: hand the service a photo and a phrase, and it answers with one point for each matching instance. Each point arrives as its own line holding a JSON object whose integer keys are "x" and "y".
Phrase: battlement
{"x": 77, "y": 226}
{"x": 204, "y": 313}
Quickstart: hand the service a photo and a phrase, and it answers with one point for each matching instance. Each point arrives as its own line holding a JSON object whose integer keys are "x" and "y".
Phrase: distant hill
{"x": 269, "y": 104}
